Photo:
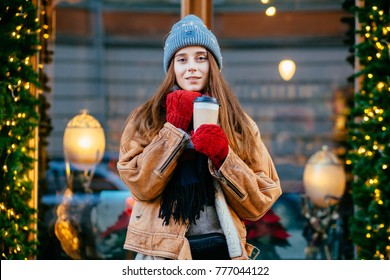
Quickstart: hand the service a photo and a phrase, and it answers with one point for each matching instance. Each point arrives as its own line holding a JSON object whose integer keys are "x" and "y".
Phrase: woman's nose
{"x": 191, "y": 66}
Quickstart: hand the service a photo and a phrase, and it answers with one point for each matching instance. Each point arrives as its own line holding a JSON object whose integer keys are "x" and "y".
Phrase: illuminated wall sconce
{"x": 84, "y": 144}
{"x": 287, "y": 69}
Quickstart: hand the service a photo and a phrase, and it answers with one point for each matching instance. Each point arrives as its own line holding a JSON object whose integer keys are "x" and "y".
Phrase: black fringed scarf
{"x": 189, "y": 190}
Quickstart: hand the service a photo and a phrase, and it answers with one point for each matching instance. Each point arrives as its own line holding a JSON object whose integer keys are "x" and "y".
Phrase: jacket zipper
{"x": 182, "y": 143}
{"x": 233, "y": 187}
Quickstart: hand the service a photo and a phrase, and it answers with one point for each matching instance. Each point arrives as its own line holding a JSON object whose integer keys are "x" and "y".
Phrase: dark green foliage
{"x": 369, "y": 133}
{"x": 19, "y": 37}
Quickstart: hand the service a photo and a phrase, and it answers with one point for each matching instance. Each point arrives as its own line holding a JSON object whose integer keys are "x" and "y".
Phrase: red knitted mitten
{"x": 211, "y": 140}
{"x": 179, "y": 106}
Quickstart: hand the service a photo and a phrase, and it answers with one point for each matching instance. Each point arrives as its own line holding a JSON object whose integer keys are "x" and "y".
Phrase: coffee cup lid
{"x": 205, "y": 98}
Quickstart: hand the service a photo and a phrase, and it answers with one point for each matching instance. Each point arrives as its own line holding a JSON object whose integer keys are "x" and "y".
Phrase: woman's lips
{"x": 193, "y": 80}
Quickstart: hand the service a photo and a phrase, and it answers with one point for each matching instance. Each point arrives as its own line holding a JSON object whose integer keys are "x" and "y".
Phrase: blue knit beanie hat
{"x": 190, "y": 31}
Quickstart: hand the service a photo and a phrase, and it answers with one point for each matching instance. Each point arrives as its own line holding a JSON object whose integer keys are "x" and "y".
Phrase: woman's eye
{"x": 202, "y": 58}
{"x": 181, "y": 60}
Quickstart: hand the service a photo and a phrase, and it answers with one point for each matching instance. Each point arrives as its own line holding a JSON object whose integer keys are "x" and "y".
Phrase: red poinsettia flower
{"x": 268, "y": 226}
{"x": 123, "y": 219}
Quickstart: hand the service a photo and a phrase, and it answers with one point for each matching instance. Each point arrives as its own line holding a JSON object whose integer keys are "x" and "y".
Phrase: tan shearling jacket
{"x": 243, "y": 192}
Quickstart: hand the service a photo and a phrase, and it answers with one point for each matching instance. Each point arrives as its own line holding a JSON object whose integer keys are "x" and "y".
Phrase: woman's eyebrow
{"x": 197, "y": 53}
{"x": 180, "y": 54}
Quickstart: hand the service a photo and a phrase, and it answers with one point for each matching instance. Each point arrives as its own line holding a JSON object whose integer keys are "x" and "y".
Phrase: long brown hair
{"x": 149, "y": 117}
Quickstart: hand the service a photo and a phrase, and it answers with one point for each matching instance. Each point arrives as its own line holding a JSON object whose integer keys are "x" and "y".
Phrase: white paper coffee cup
{"x": 206, "y": 111}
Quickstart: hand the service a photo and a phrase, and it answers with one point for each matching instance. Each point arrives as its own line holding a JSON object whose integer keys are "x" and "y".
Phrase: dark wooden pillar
{"x": 200, "y": 8}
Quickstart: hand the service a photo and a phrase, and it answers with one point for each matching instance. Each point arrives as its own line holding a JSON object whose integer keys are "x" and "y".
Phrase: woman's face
{"x": 192, "y": 68}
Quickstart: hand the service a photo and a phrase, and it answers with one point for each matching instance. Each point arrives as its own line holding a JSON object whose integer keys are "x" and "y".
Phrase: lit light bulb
{"x": 84, "y": 142}
{"x": 271, "y": 11}
{"x": 287, "y": 69}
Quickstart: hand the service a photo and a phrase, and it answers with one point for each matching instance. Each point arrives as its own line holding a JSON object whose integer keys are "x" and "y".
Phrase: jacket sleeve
{"x": 250, "y": 190}
{"x": 147, "y": 167}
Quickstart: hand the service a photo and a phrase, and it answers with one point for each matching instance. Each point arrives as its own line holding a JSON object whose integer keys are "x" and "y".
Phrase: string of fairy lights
{"x": 21, "y": 41}
{"x": 369, "y": 135}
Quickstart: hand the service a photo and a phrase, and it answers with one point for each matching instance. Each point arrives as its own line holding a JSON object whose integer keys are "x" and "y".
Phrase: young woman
{"x": 193, "y": 190}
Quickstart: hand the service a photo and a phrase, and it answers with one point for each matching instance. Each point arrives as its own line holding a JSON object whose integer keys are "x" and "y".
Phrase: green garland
{"x": 369, "y": 133}
{"x": 19, "y": 37}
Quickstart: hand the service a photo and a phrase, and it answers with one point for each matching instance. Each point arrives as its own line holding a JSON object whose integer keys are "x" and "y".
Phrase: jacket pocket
{"x": 235, "y": 189}
{"x": 179, "y": 147}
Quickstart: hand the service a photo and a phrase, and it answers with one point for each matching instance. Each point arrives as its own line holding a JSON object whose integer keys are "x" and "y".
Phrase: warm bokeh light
{"x": 287, "y": 69}
{"x": 271, "y": 11}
